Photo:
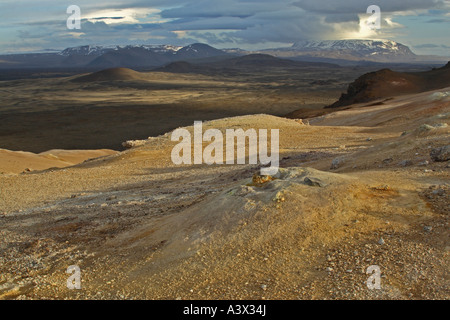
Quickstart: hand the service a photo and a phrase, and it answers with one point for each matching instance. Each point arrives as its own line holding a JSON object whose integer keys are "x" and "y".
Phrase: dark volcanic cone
{"x": 110, "y": 75}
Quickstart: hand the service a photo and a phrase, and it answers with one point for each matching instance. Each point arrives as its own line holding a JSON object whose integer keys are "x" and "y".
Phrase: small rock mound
{"x": 337, "y": 163}
{"x": 258, "y": 179}
{"x": 114, "y": 74}
{"x": 440, "y": 154}
{"x": 133, "y": 143}
{"x": 303, "y": 122}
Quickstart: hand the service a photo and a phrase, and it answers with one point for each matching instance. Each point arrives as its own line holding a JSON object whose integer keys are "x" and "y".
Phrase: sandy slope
{"x": 19, "y": 161}
{"x": 140, "y": 227}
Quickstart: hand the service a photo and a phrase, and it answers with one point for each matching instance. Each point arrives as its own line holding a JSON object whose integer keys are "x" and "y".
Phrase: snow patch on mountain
{"x": 365, "y": 47}
{"x": 94, "y": 50}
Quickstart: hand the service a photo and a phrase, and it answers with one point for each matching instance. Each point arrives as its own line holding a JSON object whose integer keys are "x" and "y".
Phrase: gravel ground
{"x": 140, "y": 227}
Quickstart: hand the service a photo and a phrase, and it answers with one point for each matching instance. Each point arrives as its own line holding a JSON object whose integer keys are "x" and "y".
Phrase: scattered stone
{"x": 313, "y": 182}
{"x": 440, "y": 154}
{"x": 279, "y": 197}
{"x": 439, "y": 192}
{"x": 382, "y": 188}
{"x": 381, "y": 241}
{"x": 264, "y": 287}
{"x": 388, "y": 160}
{"x": 405, "y": 163}
{"x": 337, "y": 162}
{"x": 329, "y": 269}
{"x": 133, "y": 143}
{"x": 259, "y": 179}
{"x": 440, "y": 125}
{"x": 424, "y": 163}
{"x": 425, "y": 127}
{"x": 427, "y": 228}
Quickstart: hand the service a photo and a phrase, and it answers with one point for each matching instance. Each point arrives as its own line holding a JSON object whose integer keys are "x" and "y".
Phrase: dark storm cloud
{"x": 104, "y": 18}
{"x": 247, "y": 21}
{"x": 352, "y": 6}
{"x": 221, "y": 23}
{"x": 215, "y": 9}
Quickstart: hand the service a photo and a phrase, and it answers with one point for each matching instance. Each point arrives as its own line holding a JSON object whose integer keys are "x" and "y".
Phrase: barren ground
{"x": 140, "y": 227}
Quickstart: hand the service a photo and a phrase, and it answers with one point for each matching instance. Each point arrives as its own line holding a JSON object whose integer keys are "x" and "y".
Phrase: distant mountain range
{"x": 351, "y": 51}
{"x": 156, "y": 56}
{"x": 99, "y": 57}
{"x": 371, "y": 50}
{"x": 240, "y": 63}
{"x": 100, "y": 50}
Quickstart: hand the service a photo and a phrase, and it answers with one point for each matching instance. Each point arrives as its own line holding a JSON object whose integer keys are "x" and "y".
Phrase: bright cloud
{"x": 127, "y": 15}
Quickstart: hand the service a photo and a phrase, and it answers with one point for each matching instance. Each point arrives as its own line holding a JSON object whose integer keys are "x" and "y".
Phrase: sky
{"x": 38, "y": 25}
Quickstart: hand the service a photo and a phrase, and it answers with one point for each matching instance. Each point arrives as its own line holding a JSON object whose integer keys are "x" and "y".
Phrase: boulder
{"x": 440, "y": 154}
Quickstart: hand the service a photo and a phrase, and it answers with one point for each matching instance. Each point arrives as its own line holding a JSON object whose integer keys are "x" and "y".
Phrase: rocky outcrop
{"x": 386, "y": 83}
{"x": 440, "y": 154}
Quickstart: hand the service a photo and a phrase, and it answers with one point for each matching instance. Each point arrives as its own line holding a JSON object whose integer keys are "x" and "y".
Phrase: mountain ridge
{"x": 343, "y": 52}
{"x": 386, "y": 83}
{"x": 381, "y": 51}
{"x": 251, "y": 61}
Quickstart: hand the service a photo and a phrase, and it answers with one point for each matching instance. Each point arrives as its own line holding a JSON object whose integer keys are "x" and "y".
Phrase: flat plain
{"x": 58, "y": 113}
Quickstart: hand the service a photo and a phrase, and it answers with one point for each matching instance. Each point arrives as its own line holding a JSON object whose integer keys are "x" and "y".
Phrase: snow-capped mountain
{"x": 350, "y": 50}
{"x": 93, "y": 56}
{"x": 92, "y": 50}
{"x": 362, "y": 47}
{"x": 86, "y": 50}
{"x": 199, "y": 50}
{"x": 342, "y": 52}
